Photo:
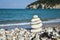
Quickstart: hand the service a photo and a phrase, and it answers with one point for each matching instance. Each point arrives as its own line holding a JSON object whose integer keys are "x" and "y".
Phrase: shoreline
{"x": 50, "y": 23}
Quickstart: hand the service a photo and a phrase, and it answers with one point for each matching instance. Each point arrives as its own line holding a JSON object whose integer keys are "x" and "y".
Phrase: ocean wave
{"x": 28, "y": 23}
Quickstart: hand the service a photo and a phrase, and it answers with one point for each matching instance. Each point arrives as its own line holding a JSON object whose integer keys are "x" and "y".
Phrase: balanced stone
{"x": 36, "y": 24}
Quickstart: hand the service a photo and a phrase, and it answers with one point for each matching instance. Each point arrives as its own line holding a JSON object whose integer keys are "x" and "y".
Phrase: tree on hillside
{"x": 49, "y": 2}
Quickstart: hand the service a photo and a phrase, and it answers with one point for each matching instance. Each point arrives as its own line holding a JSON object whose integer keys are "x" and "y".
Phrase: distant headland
{"x": 44, "y": 4}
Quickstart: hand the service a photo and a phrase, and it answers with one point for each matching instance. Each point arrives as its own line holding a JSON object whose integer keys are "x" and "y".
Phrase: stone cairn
{"x": 36, "y": 24}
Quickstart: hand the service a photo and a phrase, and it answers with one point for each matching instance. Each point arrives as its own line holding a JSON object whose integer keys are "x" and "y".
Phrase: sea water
{"x": 10, "y": 16}
{"x": 23, "y": 14}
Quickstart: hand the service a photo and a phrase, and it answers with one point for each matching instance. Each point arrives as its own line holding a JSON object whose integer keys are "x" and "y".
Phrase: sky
{"x": 15, "y": 3}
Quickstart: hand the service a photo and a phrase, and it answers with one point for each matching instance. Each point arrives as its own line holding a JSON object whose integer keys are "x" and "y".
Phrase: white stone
{"x": 36, "y": 30}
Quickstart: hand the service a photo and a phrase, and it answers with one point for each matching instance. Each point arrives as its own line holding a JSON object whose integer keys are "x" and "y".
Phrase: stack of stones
{"x": 36, "y": 24}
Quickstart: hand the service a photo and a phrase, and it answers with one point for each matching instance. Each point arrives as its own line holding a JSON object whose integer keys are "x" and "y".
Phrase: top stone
{"x": 35, "y": 16}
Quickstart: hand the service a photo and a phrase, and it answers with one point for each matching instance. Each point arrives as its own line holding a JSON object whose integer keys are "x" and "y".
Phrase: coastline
{"x": 27, "y": 25}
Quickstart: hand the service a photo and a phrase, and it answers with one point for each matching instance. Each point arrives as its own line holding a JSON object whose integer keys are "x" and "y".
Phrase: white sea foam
{"x": 14, "y": 24}
{"x": 52, "y": 21}
{"x": 49, "y": 21}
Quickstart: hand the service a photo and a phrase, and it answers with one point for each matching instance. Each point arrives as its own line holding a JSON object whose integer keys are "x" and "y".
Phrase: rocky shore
{"x": 38, "y": 31}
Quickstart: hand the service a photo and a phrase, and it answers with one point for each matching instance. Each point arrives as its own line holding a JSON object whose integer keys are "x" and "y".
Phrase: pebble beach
{"x": 23, "y": 34}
